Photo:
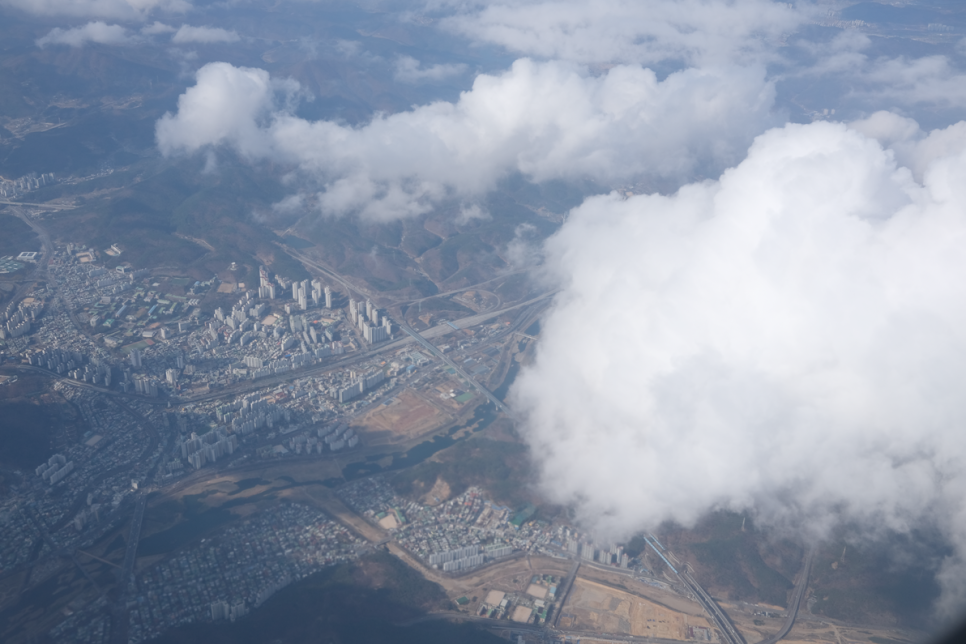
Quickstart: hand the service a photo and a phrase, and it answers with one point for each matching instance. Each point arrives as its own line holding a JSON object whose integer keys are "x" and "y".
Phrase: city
{"x": 167, "y": 393}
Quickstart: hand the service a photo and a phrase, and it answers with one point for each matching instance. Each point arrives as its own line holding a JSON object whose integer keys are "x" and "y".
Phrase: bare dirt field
{"x": 494, "y": 597}
{"x": 595, "y": 607}
{"x": 439, "y": 493}
{"x": 388, "y": 522}
{"x": 662, "y": 596}
{"x": 537, "y": 591}
{"x": 409, "y": 415}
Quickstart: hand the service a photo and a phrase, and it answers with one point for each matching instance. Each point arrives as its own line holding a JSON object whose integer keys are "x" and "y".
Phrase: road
{"x": 120, "y": 618}
{"x": 483, "y": 621}
{"x": 350, "y": 288}
{"x": 130, "y": 553}
{"x": 350, "y": 359}
{"x": 149, "y": 446}
{"x": 467, "y": 288}
{"x": 564, "y": 590}
{"x": 325, "y": 270}
{"x": 353, "y": 358}
{"x": 480, "y": 318}
{"x": 796, "y": 601}
{"x": 46, "y": 536}
{"x": 429, "y": 346}
{"x": 531, "y": 629}
{"x": 721, "y": 620}
{"x": 40, "y": 273}
{"x": 48, "y": 206}
{"x": 718, "y": 616}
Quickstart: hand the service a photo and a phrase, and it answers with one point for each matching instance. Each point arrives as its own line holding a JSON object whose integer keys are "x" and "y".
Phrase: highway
{"x": 564, "y": 590}
{"x": 386, "y": 296}
{"x": 727, "y": 629}
{"x": 48, "y": 206}
{"x": 429, "y": 346}
{"x": 45, "y": 535}
{"x": 119, "y": 612}
{"x": 796, "y": 601}
{"x": 252, "y": 385}
{"x": 718, "y": 616}
{"x": 40, "y": 272}
{"x": 130, "y": 553}
{"x": 352, "y": 358}
{"x": 325, "y": 270}
{"x": 472, "y": 287}
{"x": 480, "y": 318}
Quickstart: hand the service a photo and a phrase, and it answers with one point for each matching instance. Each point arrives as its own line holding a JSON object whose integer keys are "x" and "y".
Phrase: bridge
{"x": 796, "y": 601}
{"x": 119, "y": 611}
{"x": 728, "y": 631}
{"x": 564, "y": 590}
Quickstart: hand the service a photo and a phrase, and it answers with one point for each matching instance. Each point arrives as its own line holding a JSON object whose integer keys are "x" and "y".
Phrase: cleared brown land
{"x": 537, "y": 591}
{"x": 408, "y": 416}
{"x": 439, "y": 493}
{"x": 388, "y": 522}
{"x": 494, "y": 597}
{"x": 595, "y": 607}
{"x": 666, "y": 598}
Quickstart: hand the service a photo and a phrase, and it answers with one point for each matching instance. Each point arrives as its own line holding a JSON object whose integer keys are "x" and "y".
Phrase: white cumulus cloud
{"x": 96, "y": 32}
{"x": 409, "y": 70}
{"x": 646, "y": 31}
{"x": 545, "y": 120}
{"x": 705, "y": 33}
{"x": 203, "y": 35}
{"x": 933, "y": 81}
{"x": 913, "y": 148}
{"x": 788, "y": 340}
{"x": 226, "y": 104}
{"x": 156, "y": 28}
{"x": 114, "y": 9}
